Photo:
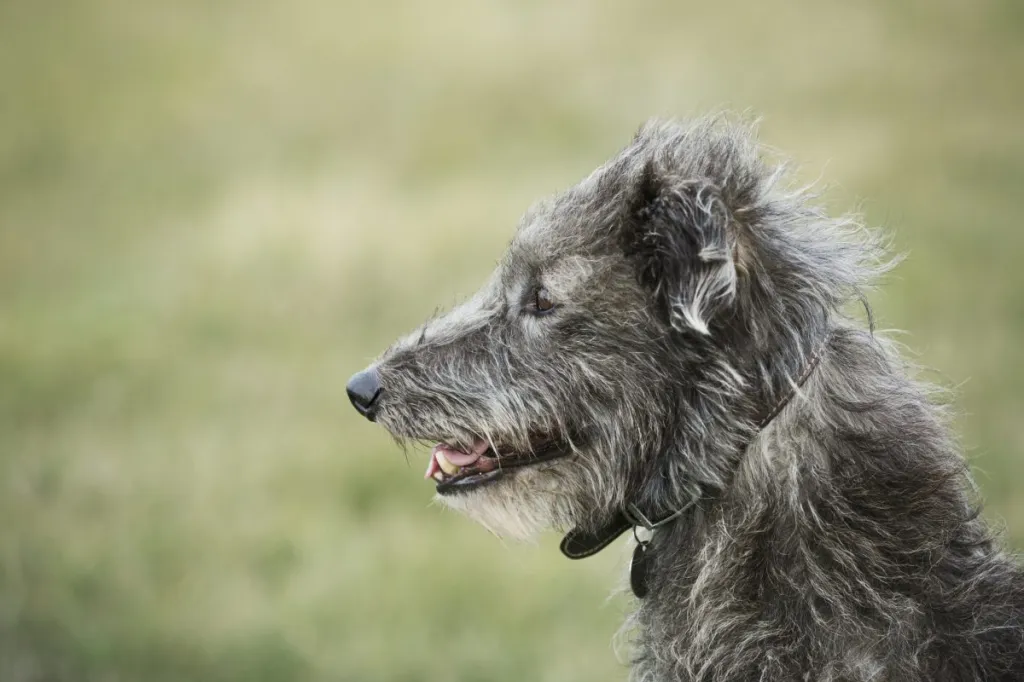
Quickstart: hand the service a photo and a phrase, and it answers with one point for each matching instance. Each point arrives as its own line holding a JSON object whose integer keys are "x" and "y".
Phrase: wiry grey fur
{"x": 691, "y": 287}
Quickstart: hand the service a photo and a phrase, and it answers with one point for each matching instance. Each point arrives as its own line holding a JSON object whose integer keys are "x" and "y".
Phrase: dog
{"x": 670, "y": 347}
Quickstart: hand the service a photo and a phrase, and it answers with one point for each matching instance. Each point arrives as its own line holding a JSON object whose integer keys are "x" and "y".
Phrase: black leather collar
{"x": 579, "y": 544}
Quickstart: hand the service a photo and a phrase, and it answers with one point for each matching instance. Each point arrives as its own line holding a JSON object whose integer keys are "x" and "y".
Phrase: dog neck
{"x": 580, "y": 544}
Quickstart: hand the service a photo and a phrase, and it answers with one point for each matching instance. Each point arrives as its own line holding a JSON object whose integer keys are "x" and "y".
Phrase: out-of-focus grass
{"x": 211, "y": 214}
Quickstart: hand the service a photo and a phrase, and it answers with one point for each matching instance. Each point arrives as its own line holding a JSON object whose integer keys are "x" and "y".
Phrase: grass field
{"x": 212, "y": 213}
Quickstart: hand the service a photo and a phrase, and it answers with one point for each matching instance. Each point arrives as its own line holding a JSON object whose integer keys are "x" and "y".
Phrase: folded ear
{"x": 679, "y": 237}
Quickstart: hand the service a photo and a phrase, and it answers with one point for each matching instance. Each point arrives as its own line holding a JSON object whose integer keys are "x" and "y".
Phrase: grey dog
{"x": 670, "y": 346}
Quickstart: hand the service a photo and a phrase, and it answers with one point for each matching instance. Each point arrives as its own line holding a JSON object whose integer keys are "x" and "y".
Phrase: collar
{"x": 580, "y": 544}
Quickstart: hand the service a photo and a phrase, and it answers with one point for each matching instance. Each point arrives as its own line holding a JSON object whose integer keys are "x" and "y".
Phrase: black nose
{"x": 363, "y": 389}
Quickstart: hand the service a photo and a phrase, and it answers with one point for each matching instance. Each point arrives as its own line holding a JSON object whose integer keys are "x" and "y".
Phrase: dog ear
{"x": 679, "y": 237}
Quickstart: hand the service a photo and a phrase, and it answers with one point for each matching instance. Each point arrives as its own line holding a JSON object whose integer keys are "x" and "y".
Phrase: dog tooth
{"x": 438, "y": 476}
{"x": 446, "y": 466}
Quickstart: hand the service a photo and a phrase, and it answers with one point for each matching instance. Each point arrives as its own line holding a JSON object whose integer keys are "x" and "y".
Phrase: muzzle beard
{"x": 526, "y": 502}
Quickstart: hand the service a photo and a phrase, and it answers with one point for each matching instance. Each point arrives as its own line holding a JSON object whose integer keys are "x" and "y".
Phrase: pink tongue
{"x": 459, "y": 458}
{"x": 456, "y": 457}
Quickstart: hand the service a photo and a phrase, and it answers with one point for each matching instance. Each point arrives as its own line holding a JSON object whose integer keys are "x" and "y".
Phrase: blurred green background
{"x": 212, "y": 213}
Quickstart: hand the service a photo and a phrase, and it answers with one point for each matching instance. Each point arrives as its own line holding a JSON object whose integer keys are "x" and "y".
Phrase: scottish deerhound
{"x": 671, "y": 347}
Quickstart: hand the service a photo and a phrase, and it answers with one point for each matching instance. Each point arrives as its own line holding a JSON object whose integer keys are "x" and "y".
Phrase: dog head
{"x": 628, "y": 340}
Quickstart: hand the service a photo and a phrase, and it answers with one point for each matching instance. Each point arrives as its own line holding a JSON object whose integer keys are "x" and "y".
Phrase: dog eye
{"x": 542, "y": 302}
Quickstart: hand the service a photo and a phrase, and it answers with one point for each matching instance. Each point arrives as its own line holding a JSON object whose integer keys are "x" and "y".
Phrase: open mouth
{"x": 457, "y": 470}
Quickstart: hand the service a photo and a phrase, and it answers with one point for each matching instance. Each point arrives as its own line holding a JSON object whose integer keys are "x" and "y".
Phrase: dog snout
{"x": 363, "y": 390}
